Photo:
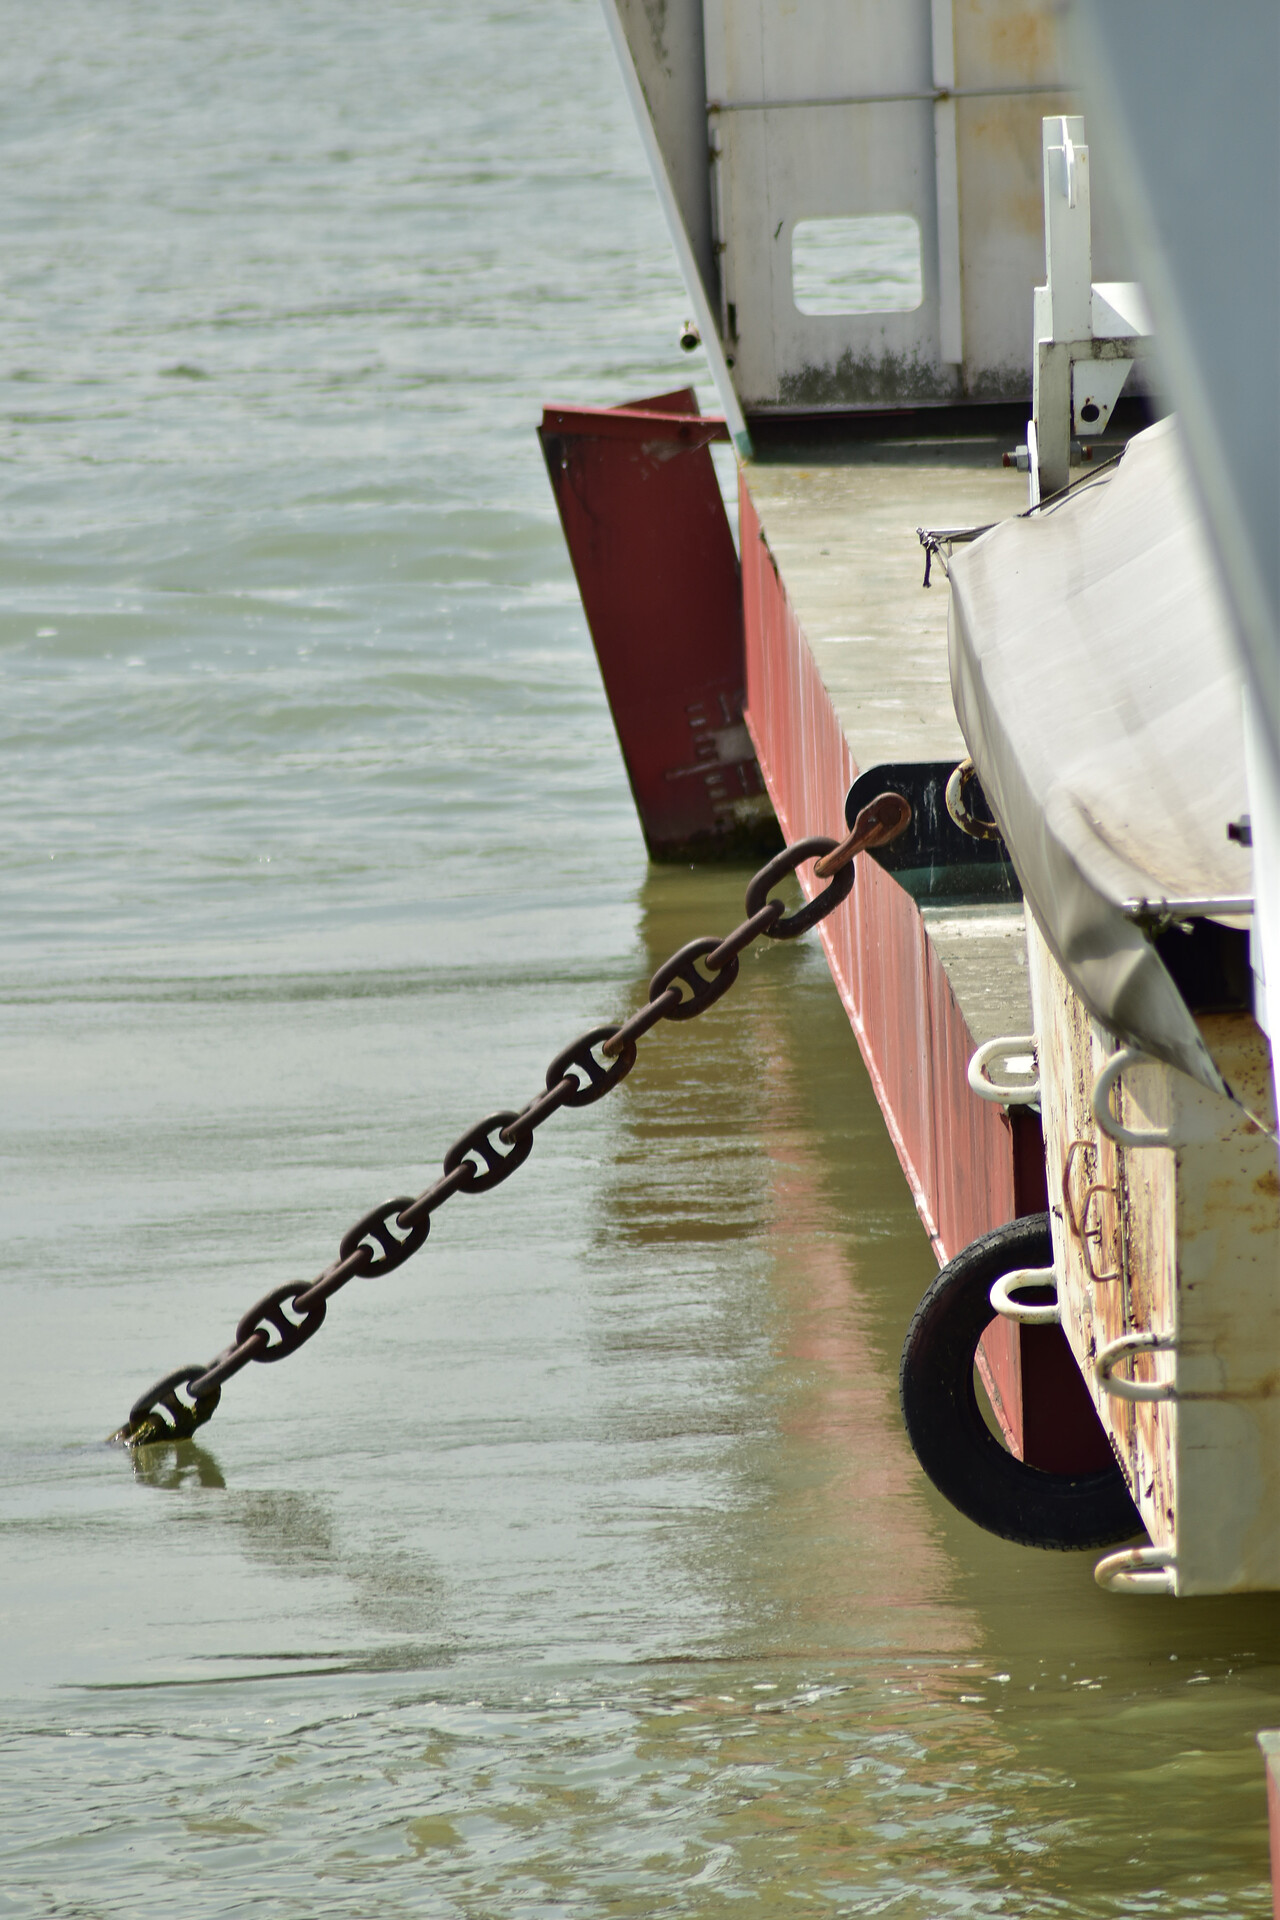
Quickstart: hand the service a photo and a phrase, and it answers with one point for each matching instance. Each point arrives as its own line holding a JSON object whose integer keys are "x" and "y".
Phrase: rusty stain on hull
{"x": 1004, "y": 41}
{"x": 651, "y": 546}
{"x": 1191, "y": 1235}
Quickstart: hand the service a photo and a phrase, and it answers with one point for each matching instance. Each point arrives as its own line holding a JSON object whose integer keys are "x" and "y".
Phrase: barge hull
{"x": 967, "y": 1170}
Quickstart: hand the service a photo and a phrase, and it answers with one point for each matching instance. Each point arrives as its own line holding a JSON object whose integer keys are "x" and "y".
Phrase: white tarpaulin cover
{"x": 1095, "y": 681}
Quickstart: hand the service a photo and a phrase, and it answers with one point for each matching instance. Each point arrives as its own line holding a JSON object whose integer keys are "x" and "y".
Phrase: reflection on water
{"x": 175, "y": 1467}
{"x": 580, "y": 1566}
{"x": 665, "y": 1621}
{"x": 743, "y": 1142}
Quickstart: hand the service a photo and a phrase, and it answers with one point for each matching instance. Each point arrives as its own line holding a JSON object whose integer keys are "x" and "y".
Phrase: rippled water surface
{"x": 580, "y": 1567}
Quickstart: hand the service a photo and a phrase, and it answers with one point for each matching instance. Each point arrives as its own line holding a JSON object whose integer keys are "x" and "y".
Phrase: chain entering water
{"x": 380, "y": 1241}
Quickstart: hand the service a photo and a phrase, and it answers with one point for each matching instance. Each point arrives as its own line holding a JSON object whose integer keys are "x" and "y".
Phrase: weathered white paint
{"x": 1182, "y": 1244}
{"x": 658, "y": 68}
{"x": 848, "y": 108}
{"x": 947, "y": 183}
{"x": 1085, "y": 337}
{"x": 1136, "y": 1570}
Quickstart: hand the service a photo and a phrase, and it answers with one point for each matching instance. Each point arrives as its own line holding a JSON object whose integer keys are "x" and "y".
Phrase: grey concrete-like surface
{"x": 984, "y": 953}
{"x": 842, "y": 529}
{"x": 844, "y": 537}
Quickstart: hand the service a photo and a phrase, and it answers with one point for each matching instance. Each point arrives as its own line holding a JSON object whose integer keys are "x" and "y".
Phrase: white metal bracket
{"x": 1138, "y": 1570}
{"x": 1018, "y": 1051}
{"x": 1085, "y": 338}
{"x": 1127, "y": 1347}
{"x": 1027, "y": 1315}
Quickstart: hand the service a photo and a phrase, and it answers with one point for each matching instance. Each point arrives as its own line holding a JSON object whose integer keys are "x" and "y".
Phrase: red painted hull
{"x": 970, "y": 1165}
{"x": 957, "y": 1152}
{"x": 653, "y": 552}
{"x": 683, "y": 636}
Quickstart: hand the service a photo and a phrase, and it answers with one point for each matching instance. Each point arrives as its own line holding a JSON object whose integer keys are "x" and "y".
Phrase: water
{"x": 580, "y": 1567}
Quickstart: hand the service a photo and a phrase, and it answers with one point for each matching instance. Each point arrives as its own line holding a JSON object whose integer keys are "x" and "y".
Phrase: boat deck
{"x": 982, "y": 951}
{"x": 844, "y": 537}
{"x": 847, "y": 670}
{"x": 823, "y": 616}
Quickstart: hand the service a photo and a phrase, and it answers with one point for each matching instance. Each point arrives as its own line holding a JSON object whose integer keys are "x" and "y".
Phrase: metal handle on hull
{"x": 1049, "y": 1314}
{"x": 1125, "y": 1348}
{"x": 1007, "y": 1047}
{"x": 1077, "y": 1218}
{"x": 1100, "y": 1104}
{"x": 1138, "y": 1570}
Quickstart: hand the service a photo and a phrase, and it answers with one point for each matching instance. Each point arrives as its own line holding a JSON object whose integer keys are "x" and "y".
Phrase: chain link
{"x": 684, "y": 986}
{"x": 789, "y": 926}
{"x": 704, "y": 989}
{"x": 377, "y": 1226}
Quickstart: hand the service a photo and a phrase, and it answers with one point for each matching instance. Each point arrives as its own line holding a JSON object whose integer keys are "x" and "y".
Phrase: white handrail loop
{"x": 1012, "y": 1048}
{"x": 1025, "y": 1312}
{"x": 1128, "y": 1345}
{"x": 1138, "y": 1570}
{"x": 1100, "y": 1105}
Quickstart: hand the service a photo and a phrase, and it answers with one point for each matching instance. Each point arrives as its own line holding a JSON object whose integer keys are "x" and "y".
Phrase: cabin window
{"x": 866, "y": 265}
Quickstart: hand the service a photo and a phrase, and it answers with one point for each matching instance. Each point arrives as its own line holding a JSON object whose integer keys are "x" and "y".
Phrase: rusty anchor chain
{"x": 488, "y": 1153}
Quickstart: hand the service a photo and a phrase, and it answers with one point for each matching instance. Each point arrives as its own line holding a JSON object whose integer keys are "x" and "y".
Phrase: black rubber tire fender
{"x": 953, "y": 1442}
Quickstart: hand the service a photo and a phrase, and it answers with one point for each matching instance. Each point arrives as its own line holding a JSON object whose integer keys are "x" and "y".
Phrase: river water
{"x": 580, "y": 1567}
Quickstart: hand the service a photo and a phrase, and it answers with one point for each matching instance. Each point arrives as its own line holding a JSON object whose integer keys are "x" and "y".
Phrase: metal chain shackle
{"x": 684, "y": 986}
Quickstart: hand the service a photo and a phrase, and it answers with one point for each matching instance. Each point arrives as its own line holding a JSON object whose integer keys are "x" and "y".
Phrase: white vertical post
{"x": 1068, "y": 242}
{"x": 1064, "y": 306}
{"x": 947, "y": 174}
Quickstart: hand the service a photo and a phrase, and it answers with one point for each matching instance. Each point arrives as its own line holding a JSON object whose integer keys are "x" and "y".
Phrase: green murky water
{"x": 580, "y": 1567}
